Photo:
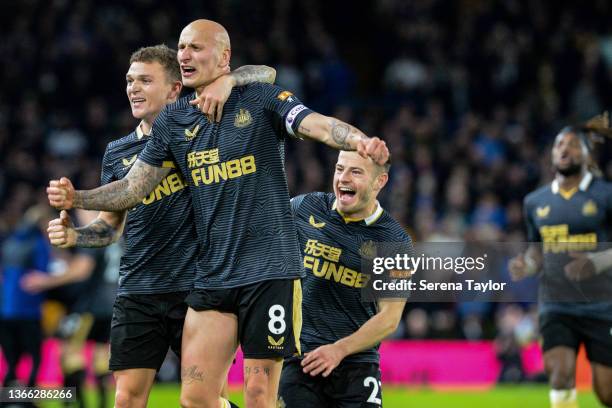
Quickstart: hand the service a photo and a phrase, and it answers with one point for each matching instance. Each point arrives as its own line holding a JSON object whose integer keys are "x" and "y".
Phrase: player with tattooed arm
{"x": 158, "y": 268}
{"x": 247, "y": 288}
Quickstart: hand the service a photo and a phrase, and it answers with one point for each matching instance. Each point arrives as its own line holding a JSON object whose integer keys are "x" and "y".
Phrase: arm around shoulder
{"x": 342, "y": 136}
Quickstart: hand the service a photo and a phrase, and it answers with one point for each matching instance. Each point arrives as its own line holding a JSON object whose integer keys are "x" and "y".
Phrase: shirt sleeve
{"x": 406, "y": 243}
{"x": 157, "y": 148}
{"x": 532, "y": 231}
{"x": 90, "y": 252}
{"x": 107, "y": 175}
{"x": 285, "y": 110}
{"x": 394, "y": 241}
{"x": 609, "y": 210}
{"x": 42, "y": 255}
{"x": 295, "y": 204}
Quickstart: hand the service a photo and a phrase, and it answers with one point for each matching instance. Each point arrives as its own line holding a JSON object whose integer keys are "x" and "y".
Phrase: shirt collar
{"x": 583, "y": 186}
{"x": 368, "y": 220}
{"x": 139, "y": 132}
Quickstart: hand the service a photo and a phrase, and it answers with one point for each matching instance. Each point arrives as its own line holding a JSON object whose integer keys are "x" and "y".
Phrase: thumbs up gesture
{"x": 61, "y": 231}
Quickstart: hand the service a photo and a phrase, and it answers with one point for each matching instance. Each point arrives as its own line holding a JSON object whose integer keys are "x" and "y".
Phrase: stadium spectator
{"x": 521, "y": 67}
{"x": 25, "y": 251}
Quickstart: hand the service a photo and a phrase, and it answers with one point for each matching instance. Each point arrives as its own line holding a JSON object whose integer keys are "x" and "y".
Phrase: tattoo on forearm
{"x": 340, "y": 132}
{"x": 122, "y": 194}
{"x": 95, "y": 235}
{"x": 192, "y": 374}
{"x": 304, "y": 130}
{"x": 248, "y": 74}
{"x": 344, "y": 136}
{"x": 256, "y": 370}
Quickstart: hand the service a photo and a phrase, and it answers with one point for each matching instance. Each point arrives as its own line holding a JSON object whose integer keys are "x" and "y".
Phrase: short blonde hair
{"x": 162, "y": 54}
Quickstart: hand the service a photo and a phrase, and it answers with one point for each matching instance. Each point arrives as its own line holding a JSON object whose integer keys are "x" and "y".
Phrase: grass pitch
{"x": 524, "y": 396}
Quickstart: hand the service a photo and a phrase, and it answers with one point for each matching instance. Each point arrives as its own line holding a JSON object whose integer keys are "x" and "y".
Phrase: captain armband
{"x": 291, "y": 118}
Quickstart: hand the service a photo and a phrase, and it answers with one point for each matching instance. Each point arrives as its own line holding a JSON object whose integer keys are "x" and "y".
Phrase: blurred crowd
{"x": 468, "y": 94}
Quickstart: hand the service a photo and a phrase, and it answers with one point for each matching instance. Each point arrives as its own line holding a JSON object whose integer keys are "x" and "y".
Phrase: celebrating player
{"x": 341, "y": 334}
{"x": 575, "y": 208}
{"x": 247, "y": 285}
{"x": 157, "y": 270}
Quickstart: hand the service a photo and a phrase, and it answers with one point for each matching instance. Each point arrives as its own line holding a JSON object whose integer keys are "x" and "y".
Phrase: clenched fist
{"x": 61, "y": 194}
{"x": 518, "y": 268}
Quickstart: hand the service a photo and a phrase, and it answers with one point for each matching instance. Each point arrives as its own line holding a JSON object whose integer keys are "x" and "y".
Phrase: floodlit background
{"x": 468, "y": 95}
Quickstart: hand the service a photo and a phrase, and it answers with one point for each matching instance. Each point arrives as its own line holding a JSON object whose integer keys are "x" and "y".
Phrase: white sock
{"x": 563, "y": 398}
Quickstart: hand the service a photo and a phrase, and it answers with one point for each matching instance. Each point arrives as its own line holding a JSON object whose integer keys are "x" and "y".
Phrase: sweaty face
{"x": 354, "y": 185}
{"x": 147, "y": 89}
{"x": 199, "y": 56}
{"x": 568, "y": 154}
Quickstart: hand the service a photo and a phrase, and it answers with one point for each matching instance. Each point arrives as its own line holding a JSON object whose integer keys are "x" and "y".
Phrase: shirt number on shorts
{"x": 277, "y": 324}
{"x": 376, "y": 385}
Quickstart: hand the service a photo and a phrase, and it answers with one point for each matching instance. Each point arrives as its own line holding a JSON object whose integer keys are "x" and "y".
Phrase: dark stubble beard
{"x": 572, "y": 170}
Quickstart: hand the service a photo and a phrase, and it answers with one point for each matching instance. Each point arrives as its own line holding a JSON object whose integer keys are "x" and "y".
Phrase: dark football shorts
{"x": 559, "y": 329}
{"x": 350, "y": 385}
{"x": 144, "y": 327}
{"x": 269, "y": 315}
{"x": 100, "y": 330}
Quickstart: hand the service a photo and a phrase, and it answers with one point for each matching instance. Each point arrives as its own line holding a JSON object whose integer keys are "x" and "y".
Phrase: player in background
{"x": 157, "y": 270}
{"x": 340, "y": 332}
{"x": 247, "y": 288}
{"x": 90, "y": 317}
{"x": 575, "y": 208}
{"x": 23, "y": 251}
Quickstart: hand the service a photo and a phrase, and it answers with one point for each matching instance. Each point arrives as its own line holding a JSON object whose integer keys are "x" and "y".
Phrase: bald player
{"x": 157, "y": 269}
{"x": 247, "y": 288}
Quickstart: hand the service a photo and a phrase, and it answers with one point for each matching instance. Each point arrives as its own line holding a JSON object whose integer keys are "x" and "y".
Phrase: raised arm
{"x": 101, "y": 232}
{"x": 324, "y": 359}
{"x": 342, "y": 136}
{"x": 116, "y": 196}
{"x": 247, "y": 74}
{"x": 529, "y": 262}
{"x": 213, "y": 97}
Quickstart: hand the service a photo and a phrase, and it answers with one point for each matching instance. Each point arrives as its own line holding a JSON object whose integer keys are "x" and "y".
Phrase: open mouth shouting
{"x": 346, "y": 195}
{"x": 187, "y": 71}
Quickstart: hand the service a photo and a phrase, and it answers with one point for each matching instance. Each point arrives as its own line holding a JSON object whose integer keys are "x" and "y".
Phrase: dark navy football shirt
{"x": 332, "y": 250}
{"x": 563, "y": 222}
{"x": 161, "y": 246}
{"x": 235, "y": 171}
